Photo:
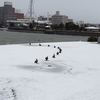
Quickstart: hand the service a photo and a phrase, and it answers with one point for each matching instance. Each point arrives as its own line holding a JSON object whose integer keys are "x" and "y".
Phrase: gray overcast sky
{"x": 78, "y": 10}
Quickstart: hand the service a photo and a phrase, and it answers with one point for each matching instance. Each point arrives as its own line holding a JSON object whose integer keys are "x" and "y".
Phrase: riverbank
{"x": 26, "y": 30}
{"x": 76, "y": 33}
{"x": 62, "y": 32}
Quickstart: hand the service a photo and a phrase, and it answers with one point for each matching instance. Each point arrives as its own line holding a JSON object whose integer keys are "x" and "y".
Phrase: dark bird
{"x": 39, "y": 44}
{"x": 57, "y": 53}
{"x": 48, "y": 45}
{"x": 54, "y": 46}
{"x": 60, "y": 50}
{"x": 29, "y": 43}
{"x": 46, "y": 58}
{"x": 53, "y": 56}
{"x": 58, "y": 47}
{"x": 36, "y": 61}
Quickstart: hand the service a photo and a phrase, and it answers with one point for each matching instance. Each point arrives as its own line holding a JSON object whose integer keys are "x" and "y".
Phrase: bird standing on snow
{"x": 57, "y": 53}
{"x": 29, "y": 43}
{"x": 48, "y": 45}
{"x": 53, "y": 56}
{"x": 46, "y": 58}
{"x": 54, "y": 46}
{"x": 36, "y": 61}
{"x": 39, "y": 44}
{"x": 60, "y": 50}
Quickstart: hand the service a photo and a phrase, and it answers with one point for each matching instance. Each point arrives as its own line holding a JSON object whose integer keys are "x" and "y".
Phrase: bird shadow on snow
{"x": 46, "y": 67}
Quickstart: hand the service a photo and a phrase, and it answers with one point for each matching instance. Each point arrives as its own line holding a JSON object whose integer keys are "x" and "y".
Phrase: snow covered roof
{"x": 93, "y": 28}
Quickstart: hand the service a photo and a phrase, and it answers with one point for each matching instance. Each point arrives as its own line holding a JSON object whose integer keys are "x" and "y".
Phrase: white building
{"x": 80, "y": 23}
{"x": 92, "y": 28}
{"x": 57, "y": 18}
{"x": 17, "y": 11}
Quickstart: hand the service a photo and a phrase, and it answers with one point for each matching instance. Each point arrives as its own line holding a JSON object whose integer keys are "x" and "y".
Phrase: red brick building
{"x": 16, "y": 16}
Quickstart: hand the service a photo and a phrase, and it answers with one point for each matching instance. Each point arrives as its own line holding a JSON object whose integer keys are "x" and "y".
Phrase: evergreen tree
{"x": 11, "y": 24}
{"x": 30, "y": 25}
{"x": 61, "y": 26}
{"x": 0, "y": 25}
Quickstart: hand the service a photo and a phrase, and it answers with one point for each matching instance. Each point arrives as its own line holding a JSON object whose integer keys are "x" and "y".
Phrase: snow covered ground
{"x": 73, "y": 75}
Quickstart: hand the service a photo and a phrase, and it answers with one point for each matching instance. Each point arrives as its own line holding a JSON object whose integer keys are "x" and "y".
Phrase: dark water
{"x": 7, "y": 37}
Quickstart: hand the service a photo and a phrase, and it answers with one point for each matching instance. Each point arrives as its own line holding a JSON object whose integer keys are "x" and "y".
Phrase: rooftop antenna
{"x": 31, "y": 13}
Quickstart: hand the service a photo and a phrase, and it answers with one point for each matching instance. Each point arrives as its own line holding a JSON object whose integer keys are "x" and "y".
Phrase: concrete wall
{"x": 99, "y": 40}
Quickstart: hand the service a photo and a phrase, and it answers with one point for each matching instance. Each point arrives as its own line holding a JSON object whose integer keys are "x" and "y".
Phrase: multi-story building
{"x": 70, "y": 20}
{"x": 57, "y": 18}
{"x": 42, "y": 18}
{"x": 7, "y": 12}
{"x": 80, "y": 23}
{"x": 1, "y": 15}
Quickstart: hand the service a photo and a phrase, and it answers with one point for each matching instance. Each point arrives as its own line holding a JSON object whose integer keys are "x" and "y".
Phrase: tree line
{"x": 61, "y": 26}
{"x": 68, "y": 26}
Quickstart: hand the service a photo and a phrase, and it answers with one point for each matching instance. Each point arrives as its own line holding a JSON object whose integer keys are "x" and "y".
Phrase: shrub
{"x": 92, "y": 39}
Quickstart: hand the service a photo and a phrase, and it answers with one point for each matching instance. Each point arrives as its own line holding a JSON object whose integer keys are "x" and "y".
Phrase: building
{"x": 7, "y": 12}
{"x": 70, "y": 20}
{"x": 17, "y": 11}
{"x": 1, "y": 15}
{"x": 80, "y": 23}
{"x": 57, "y": 18}
{"x": 92, "y": 28}
{"x": 42, "y": 18}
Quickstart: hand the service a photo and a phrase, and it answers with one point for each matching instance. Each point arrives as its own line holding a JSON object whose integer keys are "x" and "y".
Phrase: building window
{"x": 12, "y": 18}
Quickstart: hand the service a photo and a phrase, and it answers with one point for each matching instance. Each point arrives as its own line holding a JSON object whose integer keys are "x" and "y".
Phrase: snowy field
{"x": 74, "y": 74}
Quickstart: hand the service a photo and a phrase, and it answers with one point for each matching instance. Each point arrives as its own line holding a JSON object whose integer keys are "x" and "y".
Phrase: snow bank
{"x": 72, "y": 75}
